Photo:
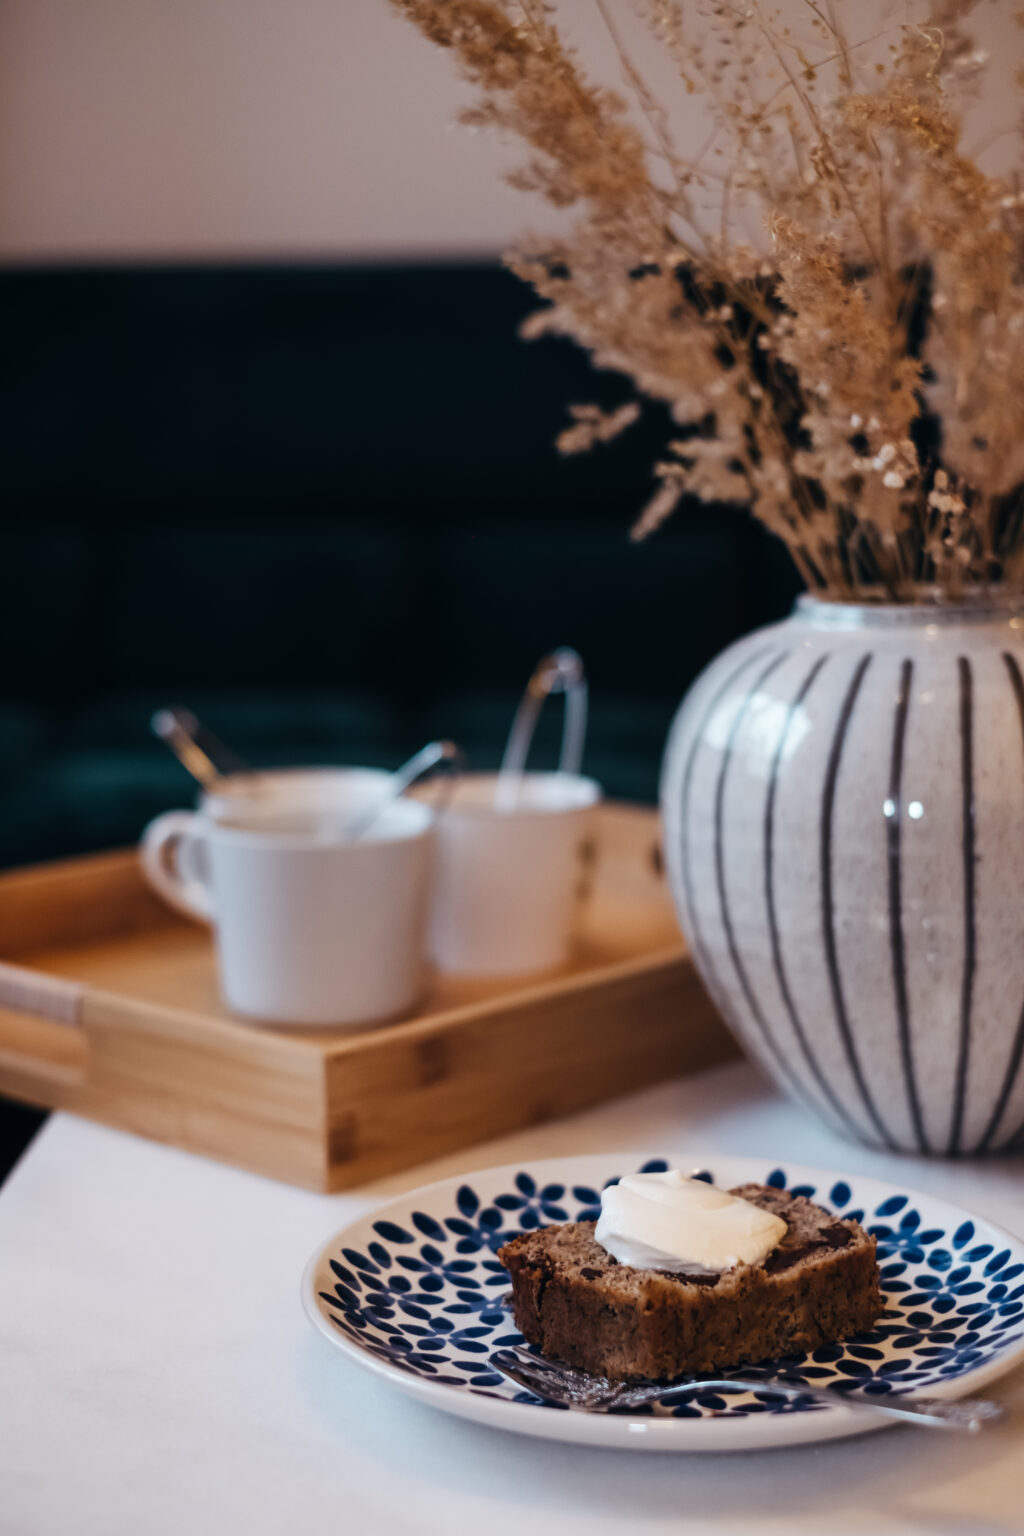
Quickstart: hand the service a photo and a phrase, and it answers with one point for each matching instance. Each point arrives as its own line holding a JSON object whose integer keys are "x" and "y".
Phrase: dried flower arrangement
{"x": 856, "y": 378}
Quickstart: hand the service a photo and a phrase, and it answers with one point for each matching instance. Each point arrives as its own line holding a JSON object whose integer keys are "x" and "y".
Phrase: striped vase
{"x": 843, "y": 803}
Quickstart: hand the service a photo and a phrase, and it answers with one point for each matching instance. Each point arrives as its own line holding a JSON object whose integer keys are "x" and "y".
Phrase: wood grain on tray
{"x": 109, "y": 1006}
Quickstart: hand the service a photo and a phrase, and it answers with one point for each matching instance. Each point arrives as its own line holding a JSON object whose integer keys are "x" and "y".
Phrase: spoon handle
{"x": 197, "y": 749}
{"x": 965, "y": 1413}
{"x": 561, "y": 672}
{"x": 969, "y": 1413}
{"x": 428, "y": 758}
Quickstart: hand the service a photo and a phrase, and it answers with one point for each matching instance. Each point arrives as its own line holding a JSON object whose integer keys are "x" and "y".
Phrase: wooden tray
{"x": 109, "y": 1007}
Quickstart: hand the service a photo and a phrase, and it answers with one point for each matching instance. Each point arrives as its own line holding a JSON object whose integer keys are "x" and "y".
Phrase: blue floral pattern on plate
{"x": 425, "y": 1294}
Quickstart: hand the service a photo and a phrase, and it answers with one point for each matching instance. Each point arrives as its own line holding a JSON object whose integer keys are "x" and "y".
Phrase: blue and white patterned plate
{"x": 413, "y": 1291}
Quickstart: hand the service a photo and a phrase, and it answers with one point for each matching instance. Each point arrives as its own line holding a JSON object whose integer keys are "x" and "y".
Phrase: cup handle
{"x": 168, "y": 857}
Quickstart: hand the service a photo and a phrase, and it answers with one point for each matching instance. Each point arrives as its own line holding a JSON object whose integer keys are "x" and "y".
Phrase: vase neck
{"x": 992, "y": 607}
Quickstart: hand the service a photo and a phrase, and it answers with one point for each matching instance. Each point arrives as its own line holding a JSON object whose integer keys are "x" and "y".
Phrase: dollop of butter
{"x": 668, "y": 1221}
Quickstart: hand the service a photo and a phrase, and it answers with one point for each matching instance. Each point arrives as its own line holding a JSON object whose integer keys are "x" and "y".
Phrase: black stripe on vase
{"x": 967, "y": 820}
{"x": 834, "y": 1102}
{"x": 1017, "y": 1051}
{"x": 893, "y": 835}
{"x": 730, "y": 937}
{"x": 705, "y": 964}
{"x": 828, "y": 904}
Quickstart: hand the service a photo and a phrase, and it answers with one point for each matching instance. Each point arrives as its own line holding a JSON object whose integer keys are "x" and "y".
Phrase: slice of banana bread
{"x": 577, "y": 1304}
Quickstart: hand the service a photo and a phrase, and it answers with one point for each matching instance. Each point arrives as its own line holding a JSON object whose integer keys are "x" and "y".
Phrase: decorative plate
{"x": 414, "y": 1292}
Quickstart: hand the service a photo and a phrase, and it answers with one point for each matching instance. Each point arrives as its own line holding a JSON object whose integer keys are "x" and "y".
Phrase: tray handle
{"x": 45, "y": 997}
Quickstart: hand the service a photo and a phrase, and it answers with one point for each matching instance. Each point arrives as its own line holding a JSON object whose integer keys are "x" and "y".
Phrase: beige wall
{"x": 201, "y": 127}
{"x": 194, "y": 128}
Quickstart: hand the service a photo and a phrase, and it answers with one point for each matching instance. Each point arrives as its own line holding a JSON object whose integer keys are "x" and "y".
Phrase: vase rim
{"x": 985, "y": 605}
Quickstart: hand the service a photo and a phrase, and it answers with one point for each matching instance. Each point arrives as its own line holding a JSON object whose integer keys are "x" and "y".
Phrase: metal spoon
{"x": 435, "y": 754}
{"x": 198, "y": 750}
{"x": 593, "y": 1394}
{"x": 561, "y": 672}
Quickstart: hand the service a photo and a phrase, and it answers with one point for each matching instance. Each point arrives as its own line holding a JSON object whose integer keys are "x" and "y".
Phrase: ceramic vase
{"x": 843, "y": 805}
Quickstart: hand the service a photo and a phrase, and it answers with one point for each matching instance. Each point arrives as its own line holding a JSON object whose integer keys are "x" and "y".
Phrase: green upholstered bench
{"x": 322, "y": 506}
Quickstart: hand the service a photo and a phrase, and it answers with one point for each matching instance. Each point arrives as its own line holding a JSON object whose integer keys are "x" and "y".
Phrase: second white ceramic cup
{"x": 506, "y": 883}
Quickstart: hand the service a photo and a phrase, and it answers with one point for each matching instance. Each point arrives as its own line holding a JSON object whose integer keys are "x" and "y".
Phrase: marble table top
{"x": 145, "y": 1391}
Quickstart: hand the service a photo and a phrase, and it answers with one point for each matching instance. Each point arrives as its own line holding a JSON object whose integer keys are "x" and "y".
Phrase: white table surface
{"x": 158, "y": 1376}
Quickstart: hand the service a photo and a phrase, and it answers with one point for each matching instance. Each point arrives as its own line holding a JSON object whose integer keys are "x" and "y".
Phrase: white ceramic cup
{"x": 309, "y": 930}
{"x": 506, "y": 884}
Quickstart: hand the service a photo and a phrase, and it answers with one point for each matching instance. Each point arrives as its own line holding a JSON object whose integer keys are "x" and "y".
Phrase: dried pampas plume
{"x": 857, "y": 378}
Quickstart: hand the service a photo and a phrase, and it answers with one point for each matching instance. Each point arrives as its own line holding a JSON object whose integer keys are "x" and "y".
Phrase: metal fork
{"x": 570, "y": 1388}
